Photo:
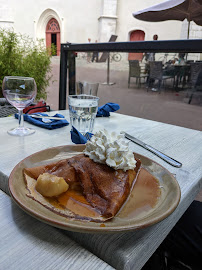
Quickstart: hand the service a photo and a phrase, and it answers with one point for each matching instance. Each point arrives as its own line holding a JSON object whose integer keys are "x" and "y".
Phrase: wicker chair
{"x": 195, "y": 69}
{"x": 6, "y": 109}
{"x": 135, "y": 72}
{"x": 156, "y": 73}
{"x": 195, "y": 83}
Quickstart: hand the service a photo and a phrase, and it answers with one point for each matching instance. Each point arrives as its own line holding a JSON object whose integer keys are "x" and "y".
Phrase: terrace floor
{"x": 169, "y": 106}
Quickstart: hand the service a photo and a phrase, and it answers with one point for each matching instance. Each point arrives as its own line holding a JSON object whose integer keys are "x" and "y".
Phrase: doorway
{"x": 136, "y": 35}
{"x": 53, "y": 36}
{"x": 54, "y": 42}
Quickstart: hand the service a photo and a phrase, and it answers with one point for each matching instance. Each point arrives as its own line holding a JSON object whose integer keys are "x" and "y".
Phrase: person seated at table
{"x": 169, "y": 70}
{"x": 181, "y": 59}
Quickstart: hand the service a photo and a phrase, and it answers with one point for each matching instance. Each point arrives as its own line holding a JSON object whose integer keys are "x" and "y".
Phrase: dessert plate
{"x": 128, "y": 219}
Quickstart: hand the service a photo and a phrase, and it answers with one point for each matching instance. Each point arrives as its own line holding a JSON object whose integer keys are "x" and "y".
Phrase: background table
{"x": 122, "y": 250}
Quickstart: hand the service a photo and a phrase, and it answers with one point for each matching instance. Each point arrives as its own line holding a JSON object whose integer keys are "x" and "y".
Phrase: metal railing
{"x": 68, "y": 54}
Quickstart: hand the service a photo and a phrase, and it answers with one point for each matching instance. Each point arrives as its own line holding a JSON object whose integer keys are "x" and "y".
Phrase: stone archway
{"x": 53, "y": 34}
{"x": 41, "y": 28}
{"x": 135, "y": 36}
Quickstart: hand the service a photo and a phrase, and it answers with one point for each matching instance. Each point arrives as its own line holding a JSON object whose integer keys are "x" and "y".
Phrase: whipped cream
{"x": 111, "y": 149}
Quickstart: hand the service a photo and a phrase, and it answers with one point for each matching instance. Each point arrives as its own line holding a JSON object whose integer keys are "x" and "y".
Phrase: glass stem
{"x": 21, "y": 119}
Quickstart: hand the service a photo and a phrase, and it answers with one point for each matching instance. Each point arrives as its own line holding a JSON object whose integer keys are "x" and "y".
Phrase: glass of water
{"x": 82, "y": 111}
{"x": 20, "y": 92}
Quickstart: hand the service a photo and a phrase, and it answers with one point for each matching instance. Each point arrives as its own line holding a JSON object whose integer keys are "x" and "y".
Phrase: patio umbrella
{"x": 173, "y": 10}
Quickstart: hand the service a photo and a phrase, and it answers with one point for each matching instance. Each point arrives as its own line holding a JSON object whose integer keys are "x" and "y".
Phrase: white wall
{"x": 80, "y": 18}
{"x": 127, "y": 23}
{"x": 6, "y": 15}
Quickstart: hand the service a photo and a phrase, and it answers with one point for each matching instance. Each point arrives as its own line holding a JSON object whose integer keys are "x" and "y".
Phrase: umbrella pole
{"x": 188, "y": 36}
{"x": 108, "y": 68}
{"x": 188, "y": 29}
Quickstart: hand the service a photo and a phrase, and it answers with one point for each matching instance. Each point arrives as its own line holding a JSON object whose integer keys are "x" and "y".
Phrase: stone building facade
{"x": 59, "y": 21}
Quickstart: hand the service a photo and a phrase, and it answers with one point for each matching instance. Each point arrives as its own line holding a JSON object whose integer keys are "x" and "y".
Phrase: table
{"x": 180, "y": 72}
{"x": 122, "y": 250}
{"x": 26, "y": 243}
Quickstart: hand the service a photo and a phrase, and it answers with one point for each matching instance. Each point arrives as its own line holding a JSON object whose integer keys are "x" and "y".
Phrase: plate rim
{"x": 86, "y": 229}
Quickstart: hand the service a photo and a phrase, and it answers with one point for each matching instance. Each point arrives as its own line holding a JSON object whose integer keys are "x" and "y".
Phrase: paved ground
{"x": 168, "y": 107}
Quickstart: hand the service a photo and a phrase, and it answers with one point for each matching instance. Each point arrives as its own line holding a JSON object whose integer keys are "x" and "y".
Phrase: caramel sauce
{"x": 76, "y": 202}
{"x": 143, "y": 198}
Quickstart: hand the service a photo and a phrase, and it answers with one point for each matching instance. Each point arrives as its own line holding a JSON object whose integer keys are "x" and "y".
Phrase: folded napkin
{"x": 78, "y": 138}
{"x": 51, "y": 125}
{"x": 105, "y": 110}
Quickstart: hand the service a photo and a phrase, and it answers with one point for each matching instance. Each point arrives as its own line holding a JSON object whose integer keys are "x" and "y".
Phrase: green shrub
{"x": 21, "y": 56}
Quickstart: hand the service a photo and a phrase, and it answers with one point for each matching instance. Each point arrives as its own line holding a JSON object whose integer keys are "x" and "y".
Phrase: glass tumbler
{"x": 82, "y": 111}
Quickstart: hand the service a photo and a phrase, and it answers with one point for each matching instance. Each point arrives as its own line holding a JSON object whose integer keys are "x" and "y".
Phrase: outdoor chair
{"x": 156, "y": 73}
{"x": 190, "y": 61}
{"x": 195, "y": 69}
{"x": 87, "y": 88}
{"x": 196, "y": 87}
{"x": 135, "y": 72}
{"x": 6, "y": 109}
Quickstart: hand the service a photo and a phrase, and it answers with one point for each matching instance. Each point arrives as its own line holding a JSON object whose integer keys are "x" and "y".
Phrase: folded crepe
{"x": 96, "y": 191}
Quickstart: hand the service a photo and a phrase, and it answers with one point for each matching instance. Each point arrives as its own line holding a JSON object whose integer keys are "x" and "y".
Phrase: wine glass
{"x": 20, "y": 92}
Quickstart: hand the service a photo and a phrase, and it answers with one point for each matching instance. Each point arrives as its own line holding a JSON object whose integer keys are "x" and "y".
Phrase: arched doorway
{"x": 53, "y": 35}
{"x": 135, "y": 36}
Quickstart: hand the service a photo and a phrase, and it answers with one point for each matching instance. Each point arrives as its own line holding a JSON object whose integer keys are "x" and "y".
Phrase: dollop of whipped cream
{"x": 111, "y": 149}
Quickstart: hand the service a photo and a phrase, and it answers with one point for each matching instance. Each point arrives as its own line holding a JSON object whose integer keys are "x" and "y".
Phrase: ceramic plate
{"x": 168, "y": 201}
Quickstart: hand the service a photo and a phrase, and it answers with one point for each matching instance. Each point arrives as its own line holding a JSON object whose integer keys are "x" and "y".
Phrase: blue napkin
{"x": 38, "y": 121}
{"x": 78, "y": 138}
{"x": 105, "y": 110}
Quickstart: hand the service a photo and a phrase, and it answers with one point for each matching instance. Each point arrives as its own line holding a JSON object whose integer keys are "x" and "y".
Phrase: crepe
{"x": 96, "y": 191}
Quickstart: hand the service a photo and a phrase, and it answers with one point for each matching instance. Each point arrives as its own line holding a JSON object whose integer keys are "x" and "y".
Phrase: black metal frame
{"x": 67, "y": 56}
